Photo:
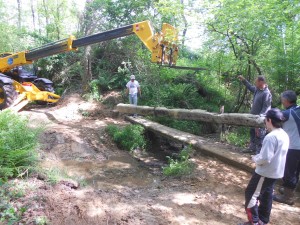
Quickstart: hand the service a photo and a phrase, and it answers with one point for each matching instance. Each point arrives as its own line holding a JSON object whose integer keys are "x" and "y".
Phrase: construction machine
{"x": 18, "y": 85}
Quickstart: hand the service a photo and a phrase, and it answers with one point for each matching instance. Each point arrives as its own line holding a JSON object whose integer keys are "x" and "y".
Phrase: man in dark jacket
{"x": 262, "y": 99}
{"x": 292, "y": 166}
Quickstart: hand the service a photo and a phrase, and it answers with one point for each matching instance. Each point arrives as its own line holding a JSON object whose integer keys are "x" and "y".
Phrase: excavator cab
{"x": 24, "y": 73}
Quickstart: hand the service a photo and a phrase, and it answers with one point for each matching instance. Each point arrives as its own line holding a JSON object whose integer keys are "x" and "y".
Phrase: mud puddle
{"x": 115, "y": 172}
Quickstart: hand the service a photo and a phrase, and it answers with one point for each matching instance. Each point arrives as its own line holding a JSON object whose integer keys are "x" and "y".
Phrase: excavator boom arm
{"x": 162, "y": 45}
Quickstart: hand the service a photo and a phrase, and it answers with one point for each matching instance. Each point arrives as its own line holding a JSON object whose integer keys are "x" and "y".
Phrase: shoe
{"x": 287, "y": 197}
{"x": 248, "y": 223}
{"x": 281, "y": 190}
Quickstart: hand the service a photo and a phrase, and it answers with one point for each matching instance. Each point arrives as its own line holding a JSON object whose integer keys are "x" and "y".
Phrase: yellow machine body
{"x": 162, "y": 46}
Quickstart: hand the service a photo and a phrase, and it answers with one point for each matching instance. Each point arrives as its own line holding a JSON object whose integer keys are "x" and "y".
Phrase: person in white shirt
{"x": 133, "y": 88}
{"x": 270, "y": 164}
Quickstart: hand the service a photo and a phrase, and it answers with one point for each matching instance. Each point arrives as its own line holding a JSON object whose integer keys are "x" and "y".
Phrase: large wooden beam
{"x": 220, "y": 151}
{"x": 237, "y": 119}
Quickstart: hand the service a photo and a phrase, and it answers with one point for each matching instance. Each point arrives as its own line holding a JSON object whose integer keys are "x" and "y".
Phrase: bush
{"x": 239, "y": 137}
{"x": 18, "y": 144}
{"x": 193, "y": 127}
{"x": 129, "y": 137}
{"x": 181, "y": 165}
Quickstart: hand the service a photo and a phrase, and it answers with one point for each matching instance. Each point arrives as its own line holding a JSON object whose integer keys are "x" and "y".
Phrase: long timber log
{"x": 217, "y": 150}
{"x": 237, "y": 119}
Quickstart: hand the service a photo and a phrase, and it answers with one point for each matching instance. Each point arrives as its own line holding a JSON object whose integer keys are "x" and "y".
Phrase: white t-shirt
{"x": 133, "y": 87}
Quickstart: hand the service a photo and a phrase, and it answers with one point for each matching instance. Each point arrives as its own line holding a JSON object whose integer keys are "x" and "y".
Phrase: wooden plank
{"x": 217, "y": 150}
{"x": 237, "y": 119}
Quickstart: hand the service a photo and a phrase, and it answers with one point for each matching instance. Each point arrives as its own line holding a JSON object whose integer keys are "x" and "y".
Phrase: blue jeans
{"x": 133, "y": 99}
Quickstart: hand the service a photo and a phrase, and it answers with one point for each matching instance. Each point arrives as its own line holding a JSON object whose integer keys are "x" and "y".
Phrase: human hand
{"x": 241, "y": 78}
{"x": 257, "y": 132}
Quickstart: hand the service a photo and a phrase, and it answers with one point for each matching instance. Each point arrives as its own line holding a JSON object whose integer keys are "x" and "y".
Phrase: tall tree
{"x": 33, "y": 14}
{"x": 19, "y": 13}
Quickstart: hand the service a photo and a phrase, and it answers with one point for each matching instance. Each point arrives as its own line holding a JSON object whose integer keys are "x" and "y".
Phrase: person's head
{"x": 274, "y": 119}
{"x": 132, "y": 77}
{"x": 288, "y": 98}
{"x": 260, "y": 82}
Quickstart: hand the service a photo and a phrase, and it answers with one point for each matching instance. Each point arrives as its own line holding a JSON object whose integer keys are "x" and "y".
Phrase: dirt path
{"x": 123, "y": 189}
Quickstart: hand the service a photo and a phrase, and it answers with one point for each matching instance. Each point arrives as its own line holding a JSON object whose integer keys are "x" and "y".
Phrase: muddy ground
{"x": 117, "y": 187}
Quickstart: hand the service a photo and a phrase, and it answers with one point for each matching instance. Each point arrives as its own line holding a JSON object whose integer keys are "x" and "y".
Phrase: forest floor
{"x": 118, "y": 187}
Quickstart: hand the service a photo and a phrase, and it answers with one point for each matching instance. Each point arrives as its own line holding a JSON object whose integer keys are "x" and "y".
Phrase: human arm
{"x": 266, "y": 153}
{"x": 267, "y": 100}
{"x": 250, "y": 87}
{"x": 138, "y": 88}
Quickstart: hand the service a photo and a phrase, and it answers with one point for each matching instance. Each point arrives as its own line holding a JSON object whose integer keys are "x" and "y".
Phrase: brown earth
{"x": 117, "y": 187}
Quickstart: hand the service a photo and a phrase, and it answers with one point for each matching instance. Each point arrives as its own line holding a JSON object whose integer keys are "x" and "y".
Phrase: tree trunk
{"x": 19, "y": 13}
{"x": 87, "y": 27}
{"x": 205, "y": 146}
{"x": 185, "y": 24}
{"x": 32, "y": 14}
{"x": 58, "y": 21}
{"x": 87, "y": 75}
{"x": 46, "y": 17}
{"x": 237, "y": 119}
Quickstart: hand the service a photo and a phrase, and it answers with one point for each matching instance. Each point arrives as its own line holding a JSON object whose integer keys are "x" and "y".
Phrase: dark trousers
{"x": 256, "y": 141}
{"x": 292, "y": 169}
{"x": 259, "y": 189}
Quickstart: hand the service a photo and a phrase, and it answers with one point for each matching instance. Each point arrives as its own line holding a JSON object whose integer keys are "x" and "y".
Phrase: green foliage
{"x": 9, "y": 192}
{"x": 192, "y": 127}
{"x": 41, "y": 220}
{"x": 130, "y": 137}
{"x": 239, "y": 137}
{"x": 18, "y": 142}
{"x": 95, "y": 94}
{"x": 54, "y": 175}
{"x": 181, "y": 165}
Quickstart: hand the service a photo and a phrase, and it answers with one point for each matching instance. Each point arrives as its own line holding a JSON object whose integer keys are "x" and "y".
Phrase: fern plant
{"x": 18, "y": 142}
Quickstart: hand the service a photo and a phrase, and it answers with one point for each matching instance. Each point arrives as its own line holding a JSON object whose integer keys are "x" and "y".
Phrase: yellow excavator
{"x": 19, "y": 86}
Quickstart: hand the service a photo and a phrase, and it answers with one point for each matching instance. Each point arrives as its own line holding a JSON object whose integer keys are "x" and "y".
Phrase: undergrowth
{"x": 238, "y": 136}
{"x": 129, "y": 138}
{"x": 18, "y": 142}
{"x": 11, "y": 213}
{"x": 181, "y": 165}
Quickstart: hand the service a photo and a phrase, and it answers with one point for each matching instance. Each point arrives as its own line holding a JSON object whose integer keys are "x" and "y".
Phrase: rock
{"x": 41, "y": 176}
{"x": 70, "y": 183}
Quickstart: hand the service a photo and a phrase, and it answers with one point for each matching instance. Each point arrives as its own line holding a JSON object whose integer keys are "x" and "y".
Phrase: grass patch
{"x": 129, "y": 138}
{"x": 239, "y": 137}
{"x": 181, "y": 165}
{"x": 18, "y": 142}
{"x": 54, "y": 175}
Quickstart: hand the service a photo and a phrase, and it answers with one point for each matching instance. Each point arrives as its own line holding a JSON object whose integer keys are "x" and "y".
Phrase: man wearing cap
{"x": 262, "y": 99}
{"x": 270, "y": 163}
{"x": 292, "y": 166}
{"x": 133, "y": 88}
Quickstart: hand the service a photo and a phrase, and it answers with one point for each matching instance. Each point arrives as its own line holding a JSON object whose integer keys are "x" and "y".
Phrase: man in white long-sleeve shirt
{"x": 270, "y": 163}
